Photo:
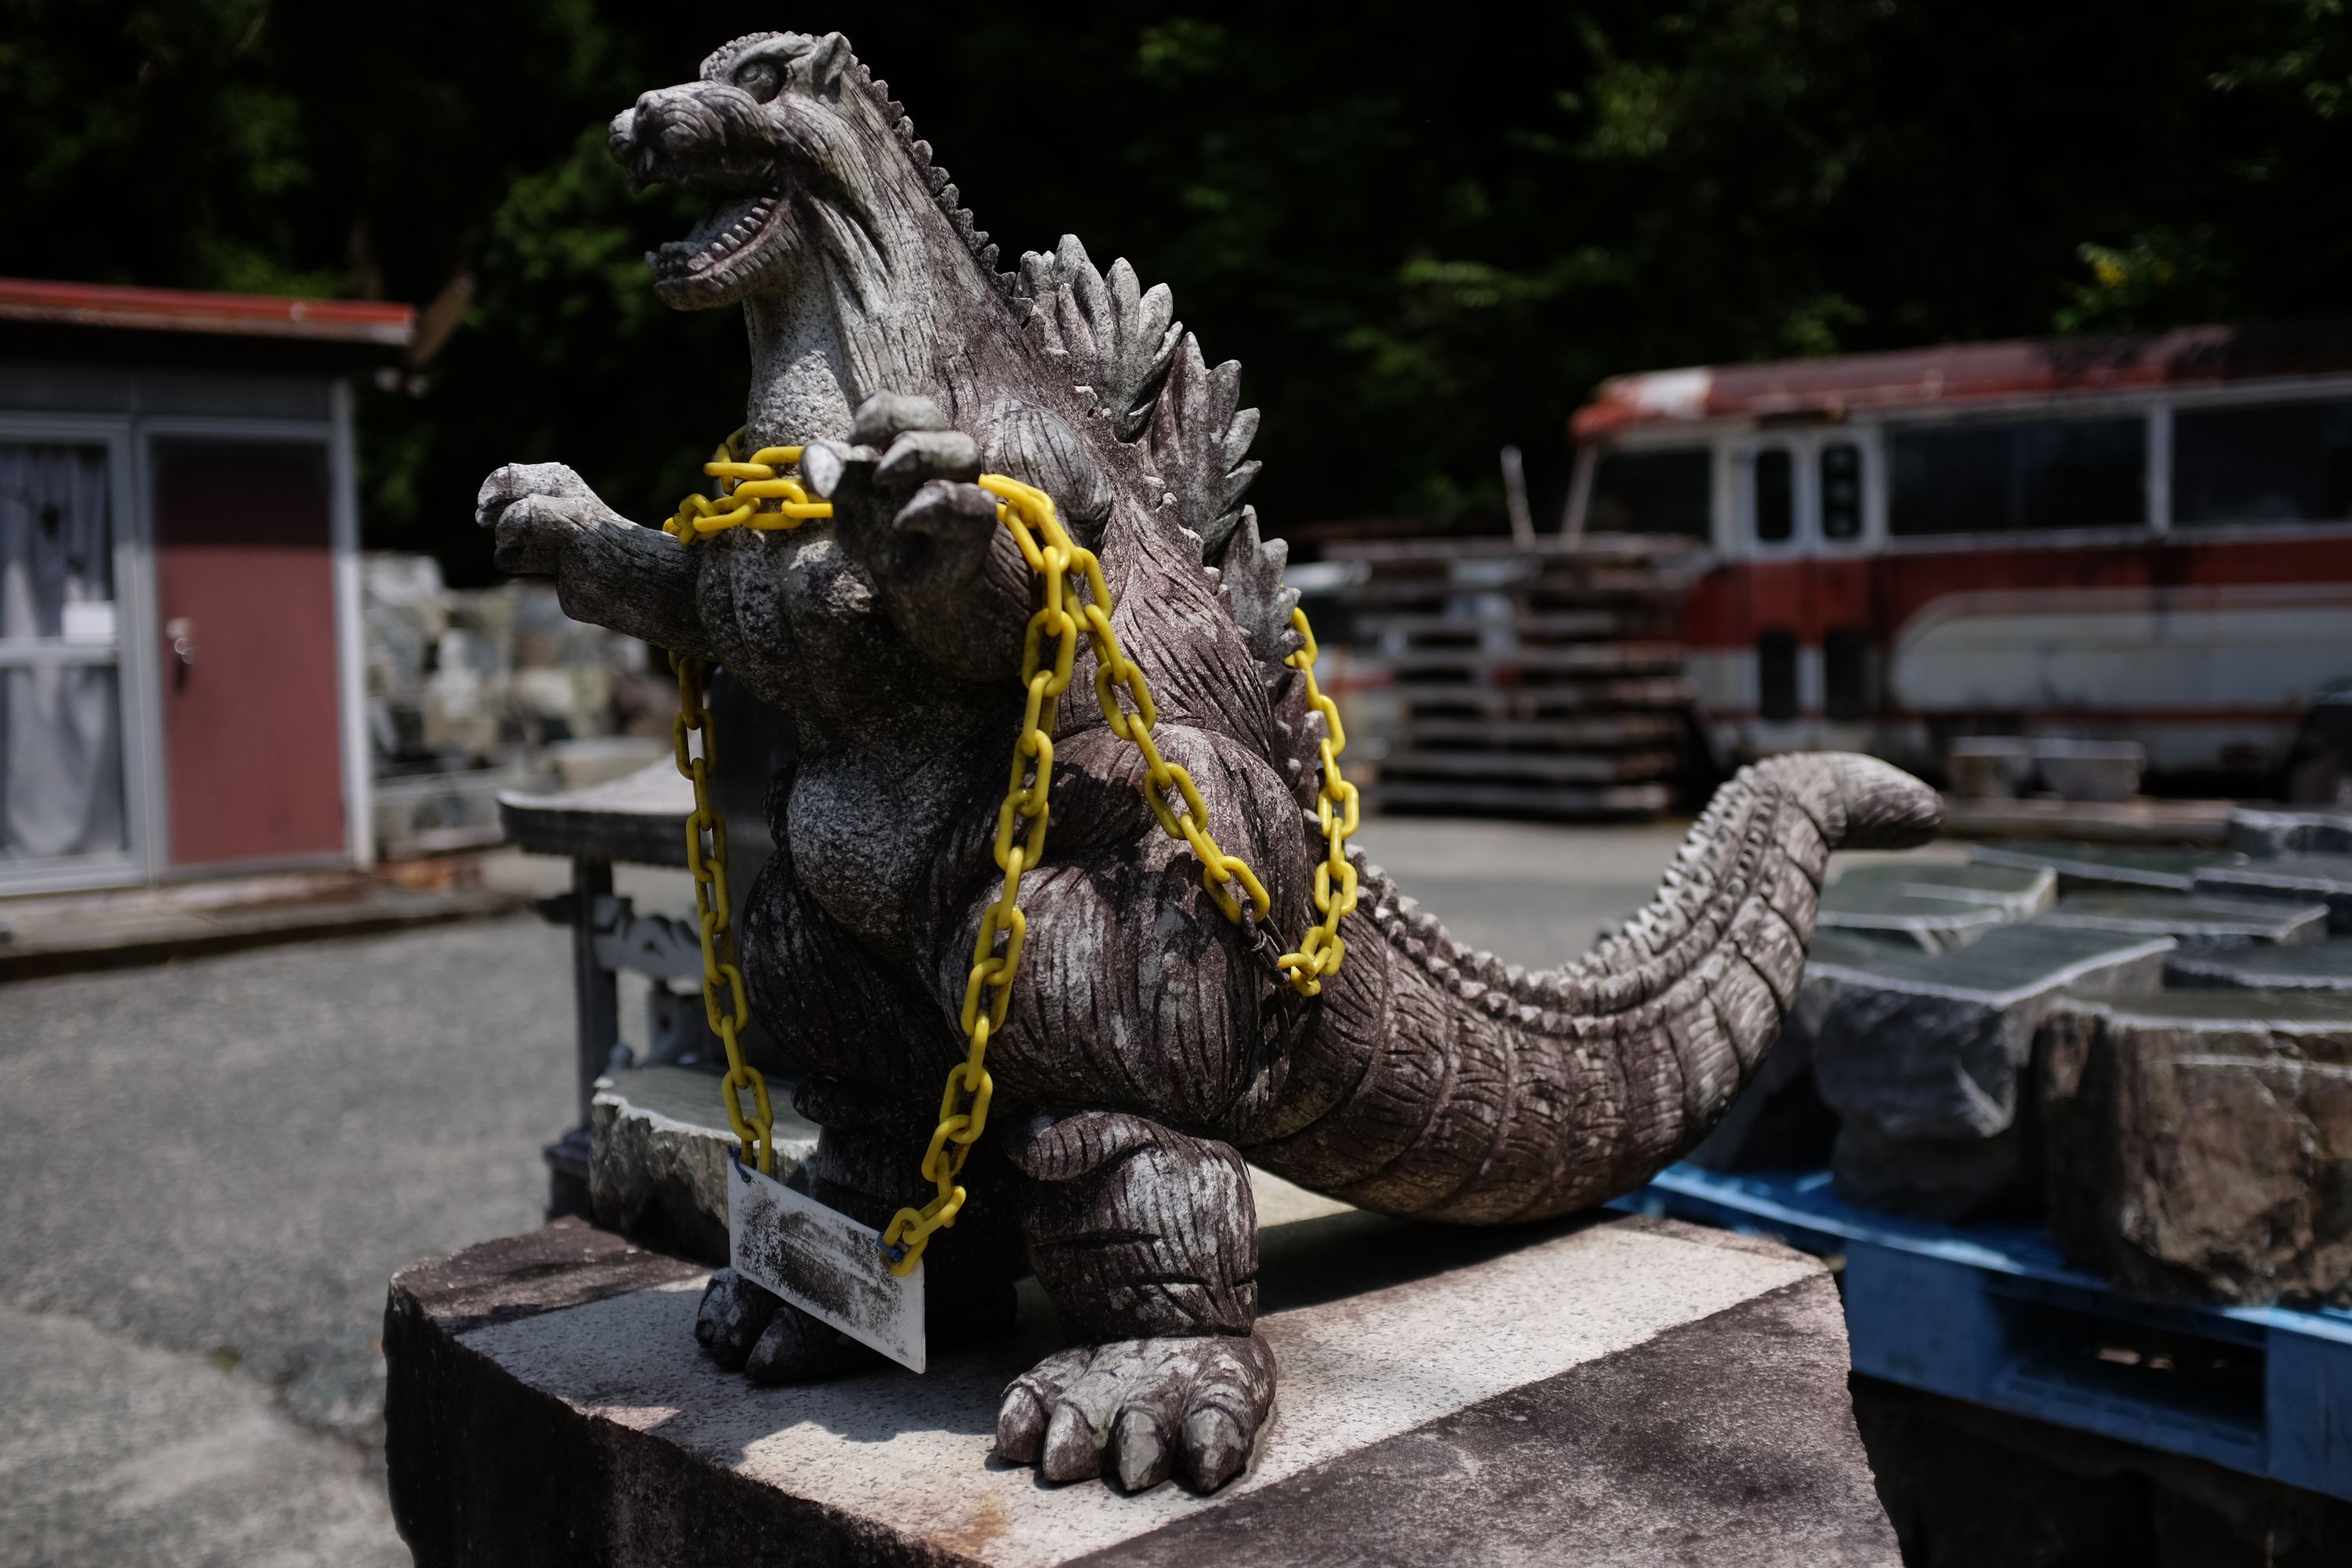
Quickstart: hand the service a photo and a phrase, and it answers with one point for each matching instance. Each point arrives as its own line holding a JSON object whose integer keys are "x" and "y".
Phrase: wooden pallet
{"x": 1545, "y": 682}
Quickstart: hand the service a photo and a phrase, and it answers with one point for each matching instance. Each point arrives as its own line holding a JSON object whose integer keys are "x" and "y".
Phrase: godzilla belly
{"x": 859, "y": 845}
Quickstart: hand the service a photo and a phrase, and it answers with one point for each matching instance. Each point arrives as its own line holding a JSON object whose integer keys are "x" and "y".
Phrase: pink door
{"x": 245, "y": 598}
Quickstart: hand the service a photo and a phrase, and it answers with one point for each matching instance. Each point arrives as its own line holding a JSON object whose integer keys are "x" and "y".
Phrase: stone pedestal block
{"x": 2298, "y": 878}
{"x": 2200, "y": 1144}
{"x": 2193, "y": 919}
{"x": 1597, "y": 1390}
{"x": 1918, "y": 1052}
{"x": 658, "y": 1168}
{"x": 2306, "y": 966}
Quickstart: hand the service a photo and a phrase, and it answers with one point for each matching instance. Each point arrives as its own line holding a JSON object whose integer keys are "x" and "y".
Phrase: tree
{"x": 1425, "y": 233}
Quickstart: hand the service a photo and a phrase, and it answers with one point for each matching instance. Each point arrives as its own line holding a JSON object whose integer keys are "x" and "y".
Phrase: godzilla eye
{"x": 760, "y": 79}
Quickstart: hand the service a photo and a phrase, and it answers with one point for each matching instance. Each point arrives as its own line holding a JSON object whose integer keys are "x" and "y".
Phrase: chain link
{"x": 723, "y": 1002}
{"x": 1076, "y": 601}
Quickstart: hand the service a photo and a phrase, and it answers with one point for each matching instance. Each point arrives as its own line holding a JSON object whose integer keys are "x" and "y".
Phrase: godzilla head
{"x": 805, "y": 158}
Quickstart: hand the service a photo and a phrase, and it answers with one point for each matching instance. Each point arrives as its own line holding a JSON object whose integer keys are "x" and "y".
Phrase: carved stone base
{"x": 1619, "y": 1389}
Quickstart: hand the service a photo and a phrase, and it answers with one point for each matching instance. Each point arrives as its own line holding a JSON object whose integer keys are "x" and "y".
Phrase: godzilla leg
{"x": 1146, "y": 1241}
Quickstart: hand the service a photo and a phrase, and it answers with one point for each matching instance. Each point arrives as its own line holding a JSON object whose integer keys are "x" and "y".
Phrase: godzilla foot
{"x": 752, "y": 1331}
{"x": 1194, "y": 1405}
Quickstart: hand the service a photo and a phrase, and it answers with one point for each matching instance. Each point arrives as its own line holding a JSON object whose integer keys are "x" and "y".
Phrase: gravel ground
{"x": 210, "y": 1168}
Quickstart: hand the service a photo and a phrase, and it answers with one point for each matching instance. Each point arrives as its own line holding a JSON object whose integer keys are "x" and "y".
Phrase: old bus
{"x": 2146, "y": 539}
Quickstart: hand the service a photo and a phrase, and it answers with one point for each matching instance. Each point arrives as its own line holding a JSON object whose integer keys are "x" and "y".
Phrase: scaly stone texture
{"x": 2200, "y": 1144}
{"x": 1439, "y": 1405}
{"x": 1426, "y": 1080}
{"x": 1923, "y": 1057}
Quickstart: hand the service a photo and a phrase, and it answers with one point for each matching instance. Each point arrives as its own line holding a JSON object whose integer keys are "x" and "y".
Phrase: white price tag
{"x": 824, "y": 1263}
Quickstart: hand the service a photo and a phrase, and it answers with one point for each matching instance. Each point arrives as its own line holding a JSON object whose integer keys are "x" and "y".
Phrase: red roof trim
{"x": 190, "y": 311}
{"x": 1913, "y": 378}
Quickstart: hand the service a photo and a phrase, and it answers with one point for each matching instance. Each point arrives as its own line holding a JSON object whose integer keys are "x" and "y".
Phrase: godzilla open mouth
{"x": 731, "y": 229}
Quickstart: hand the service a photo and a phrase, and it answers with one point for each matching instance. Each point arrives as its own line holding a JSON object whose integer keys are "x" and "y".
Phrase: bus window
{"x": 1654, "y": 493}
{"x": 2272, "y": 462}
{"x": 1845, "y": 675}
{"x": 1776, "y": 501}
{"x": 1775, "y": 674}
{"x": 1841, "y": 491}
{"x": 1986, "y": 478}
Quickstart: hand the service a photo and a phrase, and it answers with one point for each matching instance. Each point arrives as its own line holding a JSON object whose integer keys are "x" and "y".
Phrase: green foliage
{"x": 1426, "y": 232}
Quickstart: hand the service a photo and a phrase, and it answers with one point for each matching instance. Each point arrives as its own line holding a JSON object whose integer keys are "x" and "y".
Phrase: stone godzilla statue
{"x": 1149, "y": 1051}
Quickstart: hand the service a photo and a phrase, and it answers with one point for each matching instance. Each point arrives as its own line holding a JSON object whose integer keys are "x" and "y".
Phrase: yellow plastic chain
{"x": 753, "y": 494}
{"x": 723, "y": 1002}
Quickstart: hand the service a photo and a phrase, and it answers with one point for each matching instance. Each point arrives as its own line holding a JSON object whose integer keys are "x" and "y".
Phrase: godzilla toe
{"x": 797, "y": 1348}
{"x": 734, "y": 1314}
{"x": 1143, "y": 1409}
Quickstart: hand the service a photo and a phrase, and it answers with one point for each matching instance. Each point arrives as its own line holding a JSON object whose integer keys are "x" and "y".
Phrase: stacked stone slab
{"x": 2107, "y": 867}
{"x": 2306, "y": 966}
{"x": 1933, "y": 907}
{"x": 1925, "y": 1058}
{"x": 2200, "y": 1144}
{"x": 2194, "y": 919}
{"x": 2294, "y": 878}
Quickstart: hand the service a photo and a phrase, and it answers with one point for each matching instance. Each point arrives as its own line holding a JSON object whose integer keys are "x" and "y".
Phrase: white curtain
{"x": 60, "y": 736}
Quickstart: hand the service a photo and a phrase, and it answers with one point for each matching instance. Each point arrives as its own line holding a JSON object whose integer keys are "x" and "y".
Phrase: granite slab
{"x": 1596, "y": 1390}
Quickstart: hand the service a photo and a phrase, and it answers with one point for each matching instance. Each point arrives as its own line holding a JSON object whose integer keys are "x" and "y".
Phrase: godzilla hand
{"x": 547, "y": 522}
{"x": 905, "y": 508}
{"x": 1146, "y": 1241}
{"x": 534, "y": 510}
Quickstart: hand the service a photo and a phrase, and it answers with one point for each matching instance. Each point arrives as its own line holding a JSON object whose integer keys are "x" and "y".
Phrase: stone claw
{"x": 533, "y": 508}
{"x": 1141, "y": 1410}
{"x": 903, "y": 499}
{"x": 734, "y": 1315}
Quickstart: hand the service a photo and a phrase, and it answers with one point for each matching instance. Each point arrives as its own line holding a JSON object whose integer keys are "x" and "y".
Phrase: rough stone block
{"x": 2306, "y": 966}
{"x": 2193, "y": 919}
{"x": 2267, "y": 832}
{"x": 1610, "y": 1389}
{"x": 2300, "y": 878}
{"x": 2103, "y": 770}
{"x": 658, "y": 1168}
{"x": 1918, "y": 1051}
{"x": 2200, "y": 1144}
{"x": 2102, "y": 868}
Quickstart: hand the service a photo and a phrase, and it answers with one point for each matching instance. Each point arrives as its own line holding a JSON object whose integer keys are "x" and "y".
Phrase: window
{"x": 1776, "y": 673}
{"x": 1654, "y": 493}
{"x": 2274, "y": 462}
{"x": 1992, "y": 478}
{"x": 1776, "y": 499}
{"x": 61, "y": 790}
{"x": 1841, "y": 491}
{"x": 1845, "y": 675}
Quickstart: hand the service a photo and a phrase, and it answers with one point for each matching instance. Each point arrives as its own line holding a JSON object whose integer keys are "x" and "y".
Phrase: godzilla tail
{"x": 1439, "y": 1082}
